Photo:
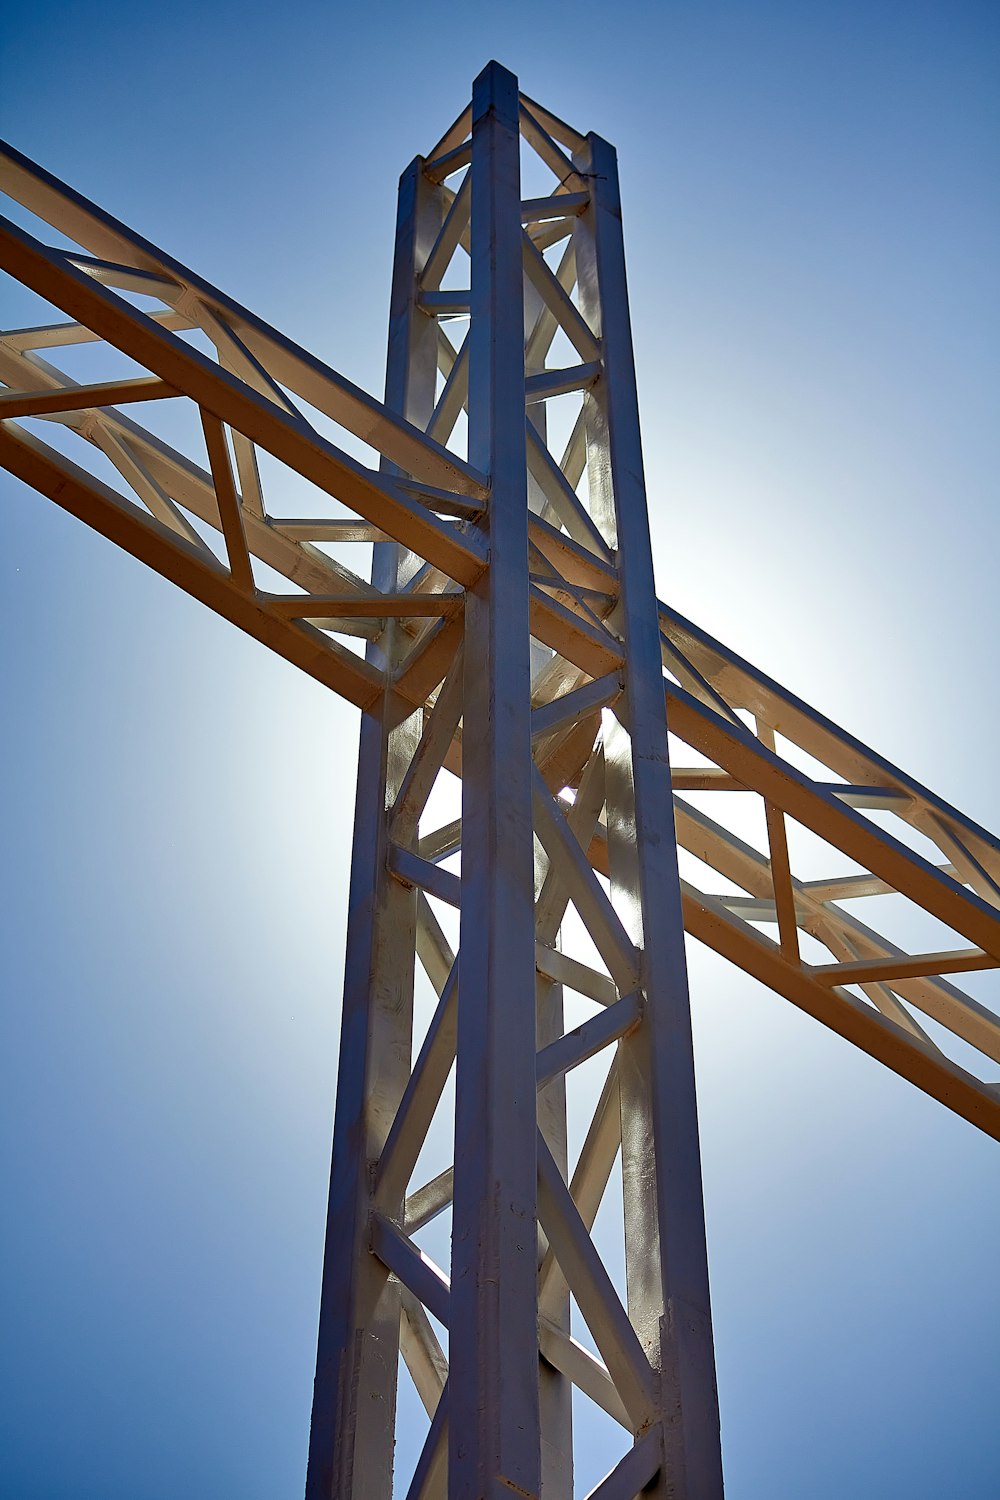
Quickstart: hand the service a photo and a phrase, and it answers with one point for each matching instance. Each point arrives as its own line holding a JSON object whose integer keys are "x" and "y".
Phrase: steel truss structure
{"x": 509, "y": 635}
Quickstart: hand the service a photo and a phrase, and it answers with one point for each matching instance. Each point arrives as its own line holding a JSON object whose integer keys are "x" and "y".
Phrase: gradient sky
{"x": 813, "y": 230}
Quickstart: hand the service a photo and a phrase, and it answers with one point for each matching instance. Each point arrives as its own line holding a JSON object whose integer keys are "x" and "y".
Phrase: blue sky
{"x": 813, "y": 233}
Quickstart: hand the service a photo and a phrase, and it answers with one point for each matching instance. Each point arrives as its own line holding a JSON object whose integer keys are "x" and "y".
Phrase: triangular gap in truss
{"x": 451, "y": 337}
{"x": 452, "y": 380}
{"x": 425, "y": 1005}
{"x": 61, "y": 436}
{"x": 561, "y": 131}
{"x": 561, "y": 417}
{"x": 435, "y": 1242}
{"x": 427, "y": 1121}
{"x": 705, "y": 877}
{"x": 448, "y": 858}
{"x": 680, "y": 668}
{"x": 83, "y": 358}
{"x": 455, "y": 137}
{"x": 576, "y": 942}
{"x": 216, "y": 544}
{"x": 553, "y": 243}
{"x": 128, "y": 256}
{"x": 447, "y": 918}
{"x": 456, "y": 277}
{"x": 584, "y": 1086}
{"x": 327, "y": 427}
{"x": 537, "y": 178}
{"x": 24, "y": 218}
{"x": 429, "y": 1206}
{"x": 578, "y": 1009}
{"x": 561, "y": 355}
{"x": 683, "y": 755}
{"x": 440, "y": 1331}
{"x": 745, "y": 716}
{"x": 150, "y": 303}
{"x": 451, "y": 390}
{"x": 560, "y": 258}
{"x": 452, "y": 334}
{"x": 412, "y": 1426}
{"x": 985, "y": 990}
{"x": 895, "y": 822}
{"x": 549, "y": 144}
{"x": 458, "y": 441}
{"x": 439, "y": 828}
{"x": 598, "y": 1443}
{"x": 449, "y": 265}
{"x": 176, "y": 422}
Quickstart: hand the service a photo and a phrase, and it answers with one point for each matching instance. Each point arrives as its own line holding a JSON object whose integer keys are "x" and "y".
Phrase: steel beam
{"x": 494, "y": 1435}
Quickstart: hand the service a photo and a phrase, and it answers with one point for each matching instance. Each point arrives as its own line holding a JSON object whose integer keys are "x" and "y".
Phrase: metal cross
{"x": 509, "y": 640}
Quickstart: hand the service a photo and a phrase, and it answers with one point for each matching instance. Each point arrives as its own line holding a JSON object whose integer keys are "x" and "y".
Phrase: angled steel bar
{"x": 419, "y": 1346}
{"x": 635, "y": 1472}
{"x": 430, "y": 1477}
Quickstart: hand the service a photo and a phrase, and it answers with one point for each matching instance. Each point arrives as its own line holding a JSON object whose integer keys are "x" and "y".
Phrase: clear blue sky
{"x": 813, "y": 230}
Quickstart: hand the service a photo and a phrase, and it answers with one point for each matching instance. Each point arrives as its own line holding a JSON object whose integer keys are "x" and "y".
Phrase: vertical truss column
{"x": 666, "y": 1255}
{"x": 354, "y": 1400}
{"x": 523, "y": 1260}
{"x": 493, "y": 1382}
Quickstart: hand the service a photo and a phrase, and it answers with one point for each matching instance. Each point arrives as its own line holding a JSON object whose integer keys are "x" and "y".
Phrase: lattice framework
{"x": 509, "y": 636}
